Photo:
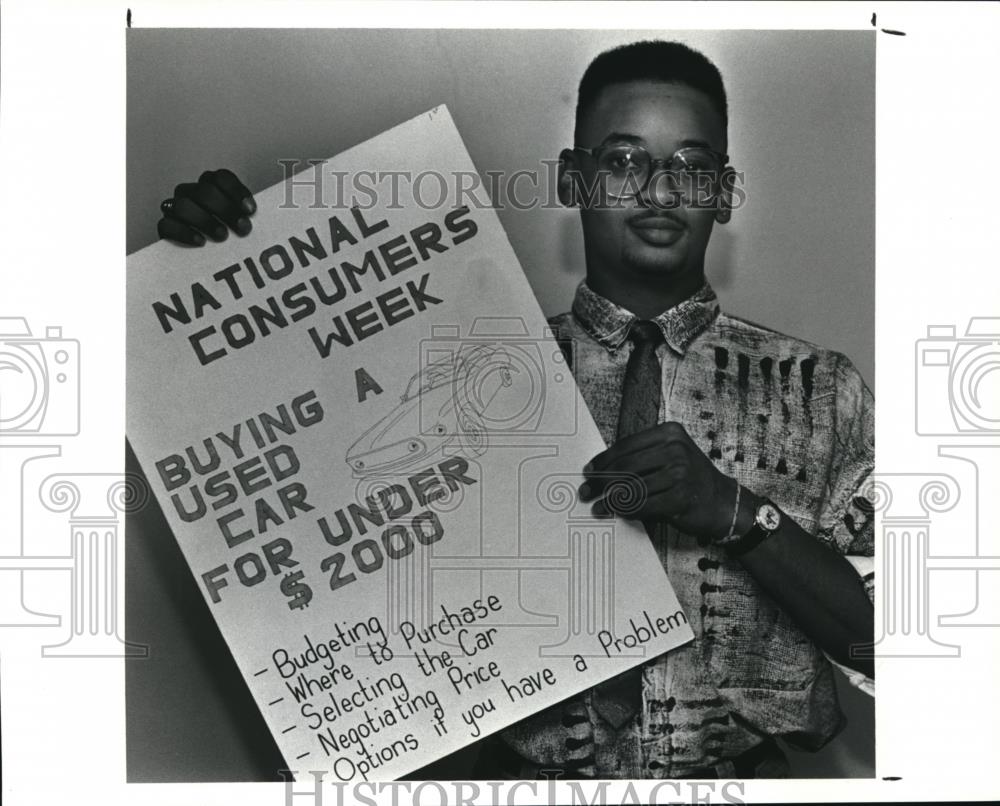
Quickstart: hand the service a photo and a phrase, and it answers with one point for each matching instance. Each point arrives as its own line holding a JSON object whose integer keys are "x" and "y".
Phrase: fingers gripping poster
{"x": 368, "y": 445}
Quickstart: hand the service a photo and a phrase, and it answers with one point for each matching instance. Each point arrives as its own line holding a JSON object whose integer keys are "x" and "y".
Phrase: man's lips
{"x": 655, "y": 221}
{"x": 657, "y": 229}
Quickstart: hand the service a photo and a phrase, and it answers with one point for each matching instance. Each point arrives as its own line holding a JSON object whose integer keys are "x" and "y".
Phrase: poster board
{"x": 367, "y": 442}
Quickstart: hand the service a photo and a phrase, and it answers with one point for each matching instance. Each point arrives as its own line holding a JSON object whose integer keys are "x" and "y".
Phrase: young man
{"x": 753, "y": 448}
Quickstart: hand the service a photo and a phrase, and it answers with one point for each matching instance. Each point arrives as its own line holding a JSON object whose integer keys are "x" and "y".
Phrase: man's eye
{"x": 622, "y": 162}
{"x": 697, "y": 163}
{"x": 695, "y": 166}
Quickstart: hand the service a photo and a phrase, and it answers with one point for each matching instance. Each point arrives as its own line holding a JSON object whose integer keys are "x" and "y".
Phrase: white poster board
{"x": 368, "y": 444}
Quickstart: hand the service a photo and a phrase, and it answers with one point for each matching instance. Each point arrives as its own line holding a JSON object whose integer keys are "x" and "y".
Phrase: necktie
{"x": 642, "y": 388}
{"x": 618, "y": 699}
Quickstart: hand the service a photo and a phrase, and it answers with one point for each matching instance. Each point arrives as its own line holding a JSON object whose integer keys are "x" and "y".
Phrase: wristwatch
{"x": 767, "y": 520}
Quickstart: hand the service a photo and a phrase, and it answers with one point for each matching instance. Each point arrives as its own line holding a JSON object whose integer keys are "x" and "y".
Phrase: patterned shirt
{"x": 790, "y": 421}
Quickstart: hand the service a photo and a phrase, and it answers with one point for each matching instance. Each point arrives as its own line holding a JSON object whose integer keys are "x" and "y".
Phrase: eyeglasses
{"x": 628, "y": 169}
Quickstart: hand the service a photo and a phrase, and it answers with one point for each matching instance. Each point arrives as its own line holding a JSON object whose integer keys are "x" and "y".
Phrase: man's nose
{"x": 664, "y": 190}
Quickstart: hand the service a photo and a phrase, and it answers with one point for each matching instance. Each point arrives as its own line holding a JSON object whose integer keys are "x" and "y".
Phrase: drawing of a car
{"x": 440, "y": 407}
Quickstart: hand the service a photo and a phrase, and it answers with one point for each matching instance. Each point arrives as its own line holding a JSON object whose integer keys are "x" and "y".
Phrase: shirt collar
{"x": 609, "y": 323}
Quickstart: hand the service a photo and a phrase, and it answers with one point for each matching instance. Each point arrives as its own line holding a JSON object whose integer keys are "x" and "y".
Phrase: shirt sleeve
{"x": 846, "y": 521}
{"x": 865, "y": 566}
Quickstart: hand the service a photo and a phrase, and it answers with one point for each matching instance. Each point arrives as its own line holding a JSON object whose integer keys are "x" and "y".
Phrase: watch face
{"x": 769, "y": 517}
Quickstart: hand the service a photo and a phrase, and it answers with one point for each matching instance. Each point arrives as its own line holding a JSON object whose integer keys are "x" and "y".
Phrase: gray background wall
{"x": 799, "y": 257}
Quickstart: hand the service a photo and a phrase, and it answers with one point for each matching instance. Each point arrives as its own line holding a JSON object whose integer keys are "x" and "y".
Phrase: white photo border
{"x": 62, "y": 210}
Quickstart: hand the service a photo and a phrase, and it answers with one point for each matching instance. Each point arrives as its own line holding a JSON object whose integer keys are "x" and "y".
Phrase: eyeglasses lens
{"x": 627, "y": 170}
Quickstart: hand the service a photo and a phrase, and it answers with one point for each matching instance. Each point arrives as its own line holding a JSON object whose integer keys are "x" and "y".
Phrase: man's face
{"x": 651, "y": 235}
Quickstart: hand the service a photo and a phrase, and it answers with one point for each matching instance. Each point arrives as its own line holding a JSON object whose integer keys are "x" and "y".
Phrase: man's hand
{"x": 676, "y": 482}
{"x": 210, "y": 207}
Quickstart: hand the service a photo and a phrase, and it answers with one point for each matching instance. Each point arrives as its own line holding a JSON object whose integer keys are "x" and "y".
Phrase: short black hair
{"x": 652, "y": 60}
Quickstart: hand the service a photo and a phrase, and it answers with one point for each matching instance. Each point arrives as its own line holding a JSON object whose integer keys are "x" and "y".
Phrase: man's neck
{"x": 644, "y": 298}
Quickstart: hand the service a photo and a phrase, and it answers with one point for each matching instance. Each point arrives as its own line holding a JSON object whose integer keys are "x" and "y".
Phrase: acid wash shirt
{"x": 790, "y": 421}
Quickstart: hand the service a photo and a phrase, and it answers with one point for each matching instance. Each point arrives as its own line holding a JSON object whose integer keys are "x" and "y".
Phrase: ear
{"x": 724, "y": 210}
{"x": 569, "y": 173}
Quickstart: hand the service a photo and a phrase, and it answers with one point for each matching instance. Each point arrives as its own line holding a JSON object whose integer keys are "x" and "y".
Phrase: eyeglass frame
{"x": 653, "y": 162}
